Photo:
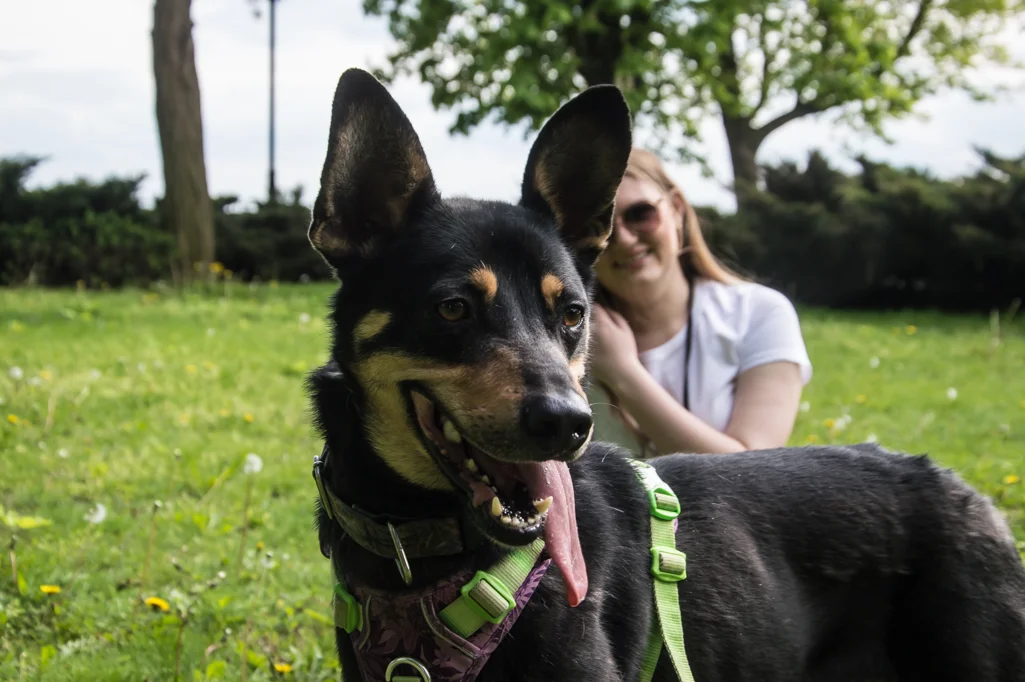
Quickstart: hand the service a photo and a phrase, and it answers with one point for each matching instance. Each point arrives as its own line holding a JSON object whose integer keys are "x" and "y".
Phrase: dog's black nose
{"x": 557, "y": 422}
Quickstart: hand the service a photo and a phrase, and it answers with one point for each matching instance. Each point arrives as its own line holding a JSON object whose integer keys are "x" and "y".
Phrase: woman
{"x": 692, "y": 357}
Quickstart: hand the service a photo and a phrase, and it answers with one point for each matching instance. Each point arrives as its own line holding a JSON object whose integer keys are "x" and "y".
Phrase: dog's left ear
{"x": 576, "y": 165}
{"x": 375, "y": 174}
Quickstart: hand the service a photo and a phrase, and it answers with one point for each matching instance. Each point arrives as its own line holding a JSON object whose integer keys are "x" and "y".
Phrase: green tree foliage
{"x": 757, "y": 64}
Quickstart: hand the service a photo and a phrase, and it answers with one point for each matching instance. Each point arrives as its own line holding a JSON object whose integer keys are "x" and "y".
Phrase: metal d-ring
{"x": 400, "y": 558}
{"x": 416, "y": 665}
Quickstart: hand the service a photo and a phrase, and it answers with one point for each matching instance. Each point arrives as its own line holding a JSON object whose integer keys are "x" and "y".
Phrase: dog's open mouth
{"x": 515, "y": 501}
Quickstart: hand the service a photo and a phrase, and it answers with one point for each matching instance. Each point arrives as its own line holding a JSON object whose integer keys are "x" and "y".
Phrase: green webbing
{"x": 668, "y": 566}
{"x": 490, "y": 595}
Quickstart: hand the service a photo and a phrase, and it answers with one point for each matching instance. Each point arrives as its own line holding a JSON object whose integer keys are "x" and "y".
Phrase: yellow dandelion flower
{"x": 157, "y": 604}
{"x": 829, "y": 423}
{"x": 248, "y": 417}
{"x": 224, "y": 412}
{"x": 150, "y": 297}
{"x": 191, "y": 369}
{"x": 50, "y": 589}
{"x": 207, "y": 365}
{"x": 184, "y": 419}
{"x": 911, "y": 330}
{"x": 13, "y": 418}
{"x": 216, "y": 267}
{"x": 1022, "y": 403}
{"x": 282, "y": 668}
{"x": 46, "y": 375}
{"x": 1011, "y": 479}
{"x": 812, "y": 438}
{"x": 259, "y": 546}
{"x": 860, "y": 399}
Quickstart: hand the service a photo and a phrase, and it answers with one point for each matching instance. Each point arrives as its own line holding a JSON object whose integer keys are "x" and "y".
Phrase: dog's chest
{"x": 406, "y": 633}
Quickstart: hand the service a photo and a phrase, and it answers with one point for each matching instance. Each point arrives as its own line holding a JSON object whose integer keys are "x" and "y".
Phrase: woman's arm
{"x": 765, "y": 406}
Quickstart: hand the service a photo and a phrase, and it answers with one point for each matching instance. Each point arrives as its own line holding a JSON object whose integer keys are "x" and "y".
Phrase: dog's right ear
{"x": 375, "y": 174}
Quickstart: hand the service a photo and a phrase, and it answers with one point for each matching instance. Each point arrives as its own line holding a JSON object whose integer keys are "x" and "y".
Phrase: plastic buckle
{"x": 318, "y": 464}
{"x": 348, "y": 611}
{"x": 668, "y": 565}
{"x": 488, "y": 597}
{"x": 664, "y": 503}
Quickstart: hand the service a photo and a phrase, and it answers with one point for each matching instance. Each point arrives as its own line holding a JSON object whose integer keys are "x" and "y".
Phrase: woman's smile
{"x": 634, "y": 260}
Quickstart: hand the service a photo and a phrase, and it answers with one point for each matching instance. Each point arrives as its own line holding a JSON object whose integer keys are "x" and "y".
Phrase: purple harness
{"x": 398, "y": 626}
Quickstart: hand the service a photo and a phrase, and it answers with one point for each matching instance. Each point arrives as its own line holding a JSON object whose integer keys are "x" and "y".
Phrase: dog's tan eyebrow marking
{"x": 484, "y": 278}
{"x": 372, "y": 324}
{"x": 551, "y": 288}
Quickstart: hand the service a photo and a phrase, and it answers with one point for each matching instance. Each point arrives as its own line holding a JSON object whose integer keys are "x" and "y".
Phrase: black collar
{"x": 394, "y": 537}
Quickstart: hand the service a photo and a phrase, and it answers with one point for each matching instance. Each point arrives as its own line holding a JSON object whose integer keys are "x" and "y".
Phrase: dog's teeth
{"x": 449, "y": 429}
{"x": 518, "y": 523}
{"x": 542, "y": 505}
{"x": 487, "y": 481}
{"x": 507, "y": 520}
{"x": 532, "y": 521}
{"x": 470, "y": 464}
{"x": 496, "y": 507}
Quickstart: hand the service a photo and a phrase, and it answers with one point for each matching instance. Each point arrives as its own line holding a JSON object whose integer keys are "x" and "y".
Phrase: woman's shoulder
{"x": 740, "y": 301}
{"x": 760, "y": 322}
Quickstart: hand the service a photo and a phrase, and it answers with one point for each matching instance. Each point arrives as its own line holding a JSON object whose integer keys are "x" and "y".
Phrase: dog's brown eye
{"x": 452, "y": 309}
{"x": 573, "y": 316}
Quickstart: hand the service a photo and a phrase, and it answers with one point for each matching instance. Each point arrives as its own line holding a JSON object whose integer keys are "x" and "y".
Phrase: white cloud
{"x": 87, "y": 103}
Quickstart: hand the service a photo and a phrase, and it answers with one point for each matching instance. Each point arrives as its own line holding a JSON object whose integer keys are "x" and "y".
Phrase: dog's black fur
{"x": 819, "y": 563}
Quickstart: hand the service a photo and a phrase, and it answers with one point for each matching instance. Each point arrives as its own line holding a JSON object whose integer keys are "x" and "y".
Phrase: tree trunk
{"x": 743, "y": 141}
{"x": 187, "y": 206}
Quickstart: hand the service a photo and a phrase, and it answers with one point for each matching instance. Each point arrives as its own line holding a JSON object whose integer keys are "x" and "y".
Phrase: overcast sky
{"x": 76, "y": 85}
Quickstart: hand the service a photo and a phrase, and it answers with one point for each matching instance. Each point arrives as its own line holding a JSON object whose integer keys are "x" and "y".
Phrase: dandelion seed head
{"x": 253, "y": 465}
{"x": 97, "y": 514}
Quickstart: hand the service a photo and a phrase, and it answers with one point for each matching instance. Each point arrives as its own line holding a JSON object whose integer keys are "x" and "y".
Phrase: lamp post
{"x": 272, "y": 192}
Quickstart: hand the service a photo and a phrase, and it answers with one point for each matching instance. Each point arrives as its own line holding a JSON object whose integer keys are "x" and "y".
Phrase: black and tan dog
{"x": 456, "y": 426}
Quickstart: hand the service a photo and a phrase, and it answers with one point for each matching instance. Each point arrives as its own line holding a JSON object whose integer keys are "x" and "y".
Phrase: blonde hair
{"x": 696, "y": 259}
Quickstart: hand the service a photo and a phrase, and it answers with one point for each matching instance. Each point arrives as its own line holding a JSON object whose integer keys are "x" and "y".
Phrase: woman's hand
{"x": 613, "y": 350}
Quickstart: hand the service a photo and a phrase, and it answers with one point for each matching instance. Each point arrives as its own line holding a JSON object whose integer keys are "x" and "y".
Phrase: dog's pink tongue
{"x": 561, "y": 539}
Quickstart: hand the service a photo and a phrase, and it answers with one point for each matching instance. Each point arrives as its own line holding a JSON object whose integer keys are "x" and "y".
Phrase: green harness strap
{"x": 488, "y": 597}
{"x": 668, "y": 566}
{"x": 491, "y": 595}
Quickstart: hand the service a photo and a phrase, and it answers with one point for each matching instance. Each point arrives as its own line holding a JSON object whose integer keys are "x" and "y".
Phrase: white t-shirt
{"x": 736, "y": 327}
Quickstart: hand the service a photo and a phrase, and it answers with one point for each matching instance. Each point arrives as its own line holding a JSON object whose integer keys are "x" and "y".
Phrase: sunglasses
{"x": 641, "y": 216}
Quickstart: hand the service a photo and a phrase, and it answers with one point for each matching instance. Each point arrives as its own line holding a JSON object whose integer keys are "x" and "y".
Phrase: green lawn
{"x": 113, "y": 403}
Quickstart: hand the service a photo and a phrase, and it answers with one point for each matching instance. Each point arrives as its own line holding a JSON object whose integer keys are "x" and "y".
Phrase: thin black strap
{"x": 687, "y": 343}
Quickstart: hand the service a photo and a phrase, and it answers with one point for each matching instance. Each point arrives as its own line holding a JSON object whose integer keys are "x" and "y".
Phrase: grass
{"x": 127, "y": 419}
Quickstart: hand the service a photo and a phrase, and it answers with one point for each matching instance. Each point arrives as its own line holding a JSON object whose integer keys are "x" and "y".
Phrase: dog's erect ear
{"x": 576, "y": 165}
{"x": 374, "y": 175}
